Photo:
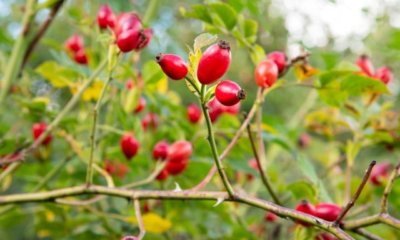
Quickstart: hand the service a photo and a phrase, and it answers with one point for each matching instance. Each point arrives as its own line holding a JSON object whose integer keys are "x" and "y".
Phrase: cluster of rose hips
{"x": 384, "y": 73}
{"x": 75, "y": 48}
{"x": 115, "y": 168}
{"x": 176, "y": 156}
{"x": 268, "y": 71}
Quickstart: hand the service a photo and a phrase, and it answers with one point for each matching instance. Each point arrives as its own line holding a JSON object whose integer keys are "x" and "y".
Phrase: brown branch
{"x": 367, "y": 235}
{"x": 356, "y": 195}
{"x": 260, "y": 169}
{"x": 139, "y": 219}
{"x": 283, "y": 212}
{"x": 388, "y": 189}
{"x": 42, "y": 30}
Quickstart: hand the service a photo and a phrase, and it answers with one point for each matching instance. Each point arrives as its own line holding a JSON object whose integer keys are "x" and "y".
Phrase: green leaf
{"x": 203, "y": 40}
{"x": 331, "y": 76}
{"x": 56, "y": 74}
{"x": 7, "y": 146}
{"x": 151, "y": 72}
{"x": 302, "y": 190}
{"x": 257, "y": 54}
{"x": 357, "y": 85}
{"x": 249, "y": 28}
{"x": 197, "y": 12}
{"x": 226, "y": 14}
{"x": 131, "y": 100}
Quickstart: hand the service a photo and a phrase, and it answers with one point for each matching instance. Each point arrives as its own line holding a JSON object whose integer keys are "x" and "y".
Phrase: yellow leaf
{"x": 153, "y": 223}
{"x": 162, "y": 85}
{"x": 304, "y": 71}
{"x": 91, "y": 93}
{"x": 44, "y": 100}
{"x": 43, "y": 233}
{"x": 50, "y": 216}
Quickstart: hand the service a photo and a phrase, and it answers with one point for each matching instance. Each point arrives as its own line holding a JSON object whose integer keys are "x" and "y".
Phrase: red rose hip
{"x": 327, "y": 211}
{"x": 379, "y": 172}
{"x": 229, "y": 93}
{"x": 150, "y": 121}
{"x": 160, "y": 150}
{"x": 175, "y": 168}
{"x": 179, "y": 151}
{"x": 129, "y": 40}
{"x": 81, "y": 57}
{"x": 38, "y": 129}
{"x": 146, "y": 36}
{"x": 279, "y": 59}
{"x": 266, "y": 73}
{"x": 365, "y": 65}
{"x": 270, "y": 217}
{"x": 172, "y": 65}
{"x": 305, "y": 207}
{"x": 384, "y": 74}
{"x": 129, "y": 145}
{"x": 125, "y": 22}
{"x": 105, "y": 17}
{"x": 140, "y": 106}
{"x": 193, "y": 113}
{"x": 162, "y": 175}
{"x": 74, "y": 43}
{"x": 214, "y": 63}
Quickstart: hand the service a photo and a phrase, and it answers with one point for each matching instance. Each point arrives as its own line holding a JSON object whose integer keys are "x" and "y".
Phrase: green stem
{"x": 150, "y": 11}
{"x": 17, "y": 52}
{"x": 89, "y": 173}
{"x": 213, "y": 146}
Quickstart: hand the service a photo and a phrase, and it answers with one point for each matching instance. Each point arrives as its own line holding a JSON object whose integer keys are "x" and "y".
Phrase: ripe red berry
{"x": 379, "y": 172}
{"x": 193, "y": 113}
{"x": 214, "y": 63}
{"x": 38, "y": 129}
{"x": 129, "y": 145}
{"x": 279, "y": 59}
{"x": 252, "y": 163}
{"x": 150, "y": 121}
{"x": 365, "y": 65}
{"x": 327, "y": 211}
{"x": 125, "y": 22}
{"x": 81, "y": 57}
{"x": 229, "y": 93}
{"x": 384, "y": 74}
{"x": 179, "y": 151}
{"x": 129, "y": 84}
{"x": 270, "y": 217}
{"x": 305, "y": 207}
{"x": 141, "y": 105}
{"x": 214, "y": 109}
{"x": 160, "y": 150}
{"x": 129, "y": 40}
{"x": 162, "y": 175}
{"x": 175, "y": 168}
{"x": 105, "y": 17}
{"x": 266, "y": 73}
{"x": 232, "y": 110}
{"x": 74, "y": 43}
{"x": 122, "y": 170}
{"x": 109, "y": 167}
{"x": 172, "y": 65}
{"x": 324, "y": 236}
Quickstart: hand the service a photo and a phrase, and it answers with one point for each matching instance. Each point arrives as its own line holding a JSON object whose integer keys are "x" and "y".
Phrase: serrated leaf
{"x": 203, "y": 40}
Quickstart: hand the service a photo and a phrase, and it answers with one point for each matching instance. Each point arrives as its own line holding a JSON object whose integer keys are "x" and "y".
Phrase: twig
{"x": 139, "y": 219}
{"x": 89, "y": 173}
{"x": 42, "y": 30}
{"x": 172, "y": 195}
{"x": 260, "y": 169}
{"x": 388, "y": 189}
{"x": 367, "y": 235}
{"x": 356, "y": 195}
{"x": 14, "y": 62}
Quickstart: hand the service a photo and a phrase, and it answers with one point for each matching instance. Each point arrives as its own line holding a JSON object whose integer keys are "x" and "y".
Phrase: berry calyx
{"x": 193, "y": 113}
{"x": 179, "y": 151}
{"x": 384, "y": 74}
{"x": 140, "y": 106}
{"x": 146, "y": 36}
{"x": 150, "y": 121}
{"x": 105, "y": 17}
{"x": 81, "y": 57}
{"x": 266, "y": 73}
{"x": 327, "y": 211}
{"x": 229, "y": 93}
{"x": 175, "y": 168}
{"x": 214, "y": 63}
{"x": 74, "y": 43}
{"x": 305, "y": 207}
{"x": 38, "y": 129}
{"x": 279, "y": 59}
{"x": 172, "y": 65}
{"x": 365, "y": 65}
{"x": 270, "y": 217}
{"x": 160, "y": 150}
{"x": 379, "y": 173}
{"x": 129, "y": 145}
